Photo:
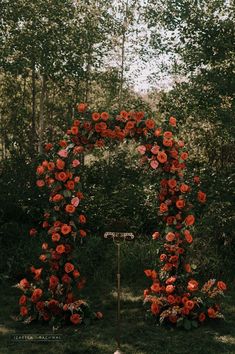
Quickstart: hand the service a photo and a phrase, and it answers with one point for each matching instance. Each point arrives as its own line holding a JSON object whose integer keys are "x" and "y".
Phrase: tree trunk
{"x": 33, "y": 126}
{"x": 42, "y": 113}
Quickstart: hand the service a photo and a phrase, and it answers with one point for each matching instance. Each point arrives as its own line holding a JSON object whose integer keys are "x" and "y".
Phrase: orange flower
{"x": 158, "y": 132}
{"x": 57, "y": 198}
{"x": 170, "y": 289}
{"x": 189, "y": 304}
{"x": 184, "y": 188}
{"x": 104, "y": 116}
{"x": 81, "y": 107}
{"x": 66, "y": 229}
{"x": 221, "y": 285}
{"x": 162, "y": 157}
{"x": 60, "y": 164}
{"x": 163, "y": 208}
{"x": 163, "y": 257}
{"x": 40, "y": 183}
{"x": 55, "y": 237}
{"x": 130, "y": 125}
{"x": 171, "y": 299}
{"x": 172, "y": 183}
{"x": 70, "y": 185}
{"x": 40, "y": 170}
{"x": 180, "y": 203}
{"x": 69, "y": 267}
{"x": 23, "y": 311}
{"x": 196, "y": 179}
{"x": 150, "y": 124}
{"x": 187, "y": 268}
{"x": 201, "y": 197}
{"x": 211, "y": 312}
{"x": 170, "y": 236}
{"x": 155, "y": 308}
{"x": 75, "y": 318}
{"x": 60, "y": 249}
{"x": 24, "y": 284}
{"x": 82, "y": 219}
{"x": 188, "y": 236}
{"x": 156, "y": 287}
{"x": 189, "y": 220}
{"x": 95, "y": 116}
{"x": 155, "y": 235}
{"x": 74, "y": 130}
{"x": 171, "y": 280}
{"x": 184, "y": 155}
{"x": 51, "y": 166}
{"x": 82, "y": 233}
{"x": 76, "y": 273}
{"x": 148, "y": 272}
{"x": 167, "y": 135}
{"x": 172, "y": 121}
{"x": 61, "y": 176}
{"x": 124, "y": 114}
{"x": 192, "y": 285}
{"x": 70, "y": 208}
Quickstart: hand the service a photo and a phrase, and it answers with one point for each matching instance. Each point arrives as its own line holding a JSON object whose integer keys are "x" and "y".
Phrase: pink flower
{"x": 141, "y": 149}
{"x": 155, "y": 149}
{"x": 154, "y": 164}
{"x": 75, "y": 201}
{"x": 63, "y": 153}
{"x": 75, "y": 163}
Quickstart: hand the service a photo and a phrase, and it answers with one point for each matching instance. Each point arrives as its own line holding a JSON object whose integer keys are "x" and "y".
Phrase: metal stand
{"x": 117, "y": 238}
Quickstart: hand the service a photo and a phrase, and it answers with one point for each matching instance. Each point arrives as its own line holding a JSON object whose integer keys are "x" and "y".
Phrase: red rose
{"x": 69, "y": 267}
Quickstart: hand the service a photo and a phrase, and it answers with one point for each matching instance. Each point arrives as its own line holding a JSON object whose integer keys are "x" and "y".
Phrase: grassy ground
{"x": 138, "y": 336}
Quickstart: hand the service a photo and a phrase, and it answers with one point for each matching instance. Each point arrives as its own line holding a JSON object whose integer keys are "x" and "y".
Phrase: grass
{"x": 137, "y": 335}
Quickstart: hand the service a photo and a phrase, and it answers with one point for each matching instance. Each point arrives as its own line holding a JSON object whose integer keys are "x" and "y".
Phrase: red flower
{"x": 23, "y": 300}
{"x": 192, "y": 285}
{"x": 155, "y": 308}
{"x": 189, "y": 220}
{"x": 172, "y": 121}
{"x": 69, "y": 267}
{"x": 95, "y": 116}
{"x": 66, "y": 229}
{"x": 24, "y": 283}
{"x": 150, "y": 124}
{"x": 211, "y": 312}
{"x": 23, "y": 311}
{"x": 202, "y": 317}
{"x": 75, "y": 318}
{"x": 162, "y": 157}
{"x": 81, "y": 107}
{"x": 60, "y": 249}
{"x": 37, "y": 294}
{"x": 221, "y": 285}
{"x": 53, "y": 281}
{"x": 201, "y": 197}
{"x": 70, "y": 208}
{"x": 163, "y": 207}
{"x": 82, "y": 219}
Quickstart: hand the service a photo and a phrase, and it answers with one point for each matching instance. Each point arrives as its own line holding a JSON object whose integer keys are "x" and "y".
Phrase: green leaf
{"x": 187, "y": 324}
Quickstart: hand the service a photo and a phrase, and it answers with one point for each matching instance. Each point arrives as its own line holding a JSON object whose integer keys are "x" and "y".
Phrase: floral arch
{"x": 174, "y": 295}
